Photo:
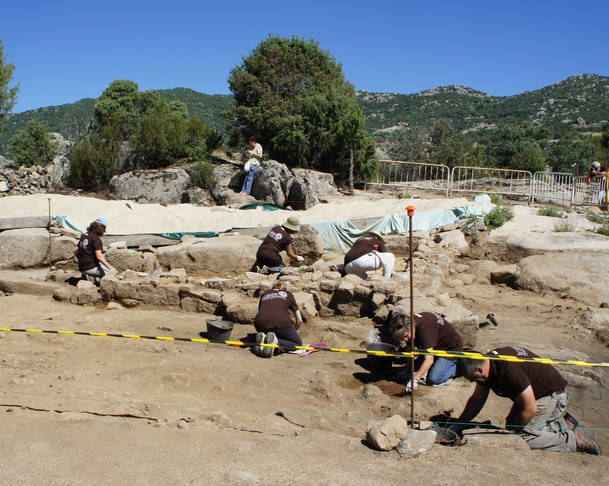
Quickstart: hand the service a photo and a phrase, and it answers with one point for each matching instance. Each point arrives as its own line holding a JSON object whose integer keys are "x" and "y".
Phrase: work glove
{"x": 410, "y": 384}
{"x": 299, "y": 258}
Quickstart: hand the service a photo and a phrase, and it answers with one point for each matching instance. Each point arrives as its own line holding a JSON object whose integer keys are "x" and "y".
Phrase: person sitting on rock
{"x": 89, "y": 253}
{"x": 431, "y": 332}
{"x": 538, "y": 391}
{"x": 369, "y": 253}
{"x": 253, "y": 156}
{"x": 277, "y": 240}
{"x": 273, "y": 322}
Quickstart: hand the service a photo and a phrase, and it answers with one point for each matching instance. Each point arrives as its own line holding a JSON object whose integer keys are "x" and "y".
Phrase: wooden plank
{"x": 24, "y": 222}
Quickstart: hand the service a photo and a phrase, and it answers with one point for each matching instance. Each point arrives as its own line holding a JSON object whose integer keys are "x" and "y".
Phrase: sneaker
{"x": 260, "y": 337}
{"x": 268, "y": 351}
{"x": 586, "y": 444}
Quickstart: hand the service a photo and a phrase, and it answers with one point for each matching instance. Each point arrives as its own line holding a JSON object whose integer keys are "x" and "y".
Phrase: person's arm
{"x": 298, "y": 316}
{"x": 523, "y": 410}
{"x": 100, "y": 258}
{"x": 289, "y": 249}
{"x": 422, "y": 371}
{"x": 474, "y": 404}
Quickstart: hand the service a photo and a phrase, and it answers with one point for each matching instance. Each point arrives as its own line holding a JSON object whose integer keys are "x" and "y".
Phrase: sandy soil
{"x": 96, "y": 410}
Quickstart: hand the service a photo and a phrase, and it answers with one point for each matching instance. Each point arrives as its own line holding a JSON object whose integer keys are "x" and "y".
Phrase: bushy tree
{"x": 8, "y": 96}
{"x": 121, "y": 104}
{"x": 447, "y": 145}
{"x": 294, "y": 98}
{"x": 33, "y": 145}
{"x": 569, "y": 150}
{"x": 516, "y": 147}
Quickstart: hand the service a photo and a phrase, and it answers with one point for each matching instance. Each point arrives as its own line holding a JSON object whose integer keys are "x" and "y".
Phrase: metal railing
{"x": 589, "y": 194}
{"x": 415, "y": 175}
{"x": 554, "y": 187}
{"x": 487, "y": 179}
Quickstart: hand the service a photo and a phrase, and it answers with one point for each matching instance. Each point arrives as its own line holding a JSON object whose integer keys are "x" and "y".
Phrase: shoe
{"x": 260, "y": 337}
{"x": 268, "y": 351}
{"x": 586, "y": 444}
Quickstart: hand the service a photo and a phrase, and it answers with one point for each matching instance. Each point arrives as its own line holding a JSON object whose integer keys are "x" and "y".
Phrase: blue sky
{"x": 67, "y": 50}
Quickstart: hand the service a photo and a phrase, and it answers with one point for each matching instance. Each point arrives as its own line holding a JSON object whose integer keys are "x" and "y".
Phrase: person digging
{"x": 278, "y": 239}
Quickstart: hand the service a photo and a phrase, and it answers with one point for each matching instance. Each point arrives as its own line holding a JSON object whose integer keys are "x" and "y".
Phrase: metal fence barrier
{"x": 486, "y": 179}
{"x": 415, "y": 175}
{"x": 568, "y": 190}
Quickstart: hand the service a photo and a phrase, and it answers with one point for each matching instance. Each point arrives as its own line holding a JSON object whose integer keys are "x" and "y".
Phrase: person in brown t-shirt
{"x": 89, "y": 252}
{"x": 277, "y": 240}
{"x": 273, "y": 321}
{"x": 369, "y": 253}
{"x": 432, "y": 331}
{"x": 539, "y": 394}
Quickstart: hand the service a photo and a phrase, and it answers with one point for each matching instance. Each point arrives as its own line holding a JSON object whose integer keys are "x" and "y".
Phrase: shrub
{"x": 603, "y": 230}
{"x": 33, "y": 146}
{"x": 564, "y": 227}
{"x": 597, "y": 218}
{"x": 202, "y": 175}
{"x": 496, "y": 199}
{"x": 94, "y": 161}
{"x": 551, "y": 212}
{"x": 498, "y": 217}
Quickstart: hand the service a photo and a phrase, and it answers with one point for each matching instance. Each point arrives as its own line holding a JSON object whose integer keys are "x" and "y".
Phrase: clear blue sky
{"x": 67, "y": 50}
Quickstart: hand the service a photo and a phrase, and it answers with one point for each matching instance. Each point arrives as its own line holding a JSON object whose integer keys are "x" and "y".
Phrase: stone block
{"x": 416, "y": 442}
{"x": 242, "y": 312}
{"x": 386, "y": 434}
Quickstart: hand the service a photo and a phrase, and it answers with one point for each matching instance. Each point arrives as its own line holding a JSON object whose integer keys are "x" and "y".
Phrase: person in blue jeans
{"x": 253, "y": 156}
{"x": 432, "y": 331}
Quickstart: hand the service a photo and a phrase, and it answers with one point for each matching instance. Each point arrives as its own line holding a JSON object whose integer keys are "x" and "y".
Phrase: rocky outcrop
{"x": 23, "y": 248}
{"x": 197, "y": 197}
{"x": 271, "y": 182}
{"x": 308, "y": 243}
{"x": 164, "y": 186}
{"x": 228, "y": 180}
{"x": 123, "y": 259}
{"x": 322, "y": 183}
{"x": 25, "y": 180}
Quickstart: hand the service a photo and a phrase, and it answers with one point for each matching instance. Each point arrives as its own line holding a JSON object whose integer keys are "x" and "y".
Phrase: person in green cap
{"x": 276, "y": 241}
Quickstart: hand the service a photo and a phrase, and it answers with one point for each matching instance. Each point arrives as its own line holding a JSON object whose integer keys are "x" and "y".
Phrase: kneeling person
{"x": 539, "y": 394}
{"x": 273, "y": 321}
{"x": 369, "y": 253}
{"x": 432, "y": 331}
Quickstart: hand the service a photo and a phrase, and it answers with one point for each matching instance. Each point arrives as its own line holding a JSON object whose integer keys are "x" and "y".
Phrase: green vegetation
{"x": 7, "y": 95}
{"x": 597, "y": 218}
{"x": 563, "y": 227}
{"x": 202, "y": 175}
{"x": 496, "y": 199}
{"x": 549, "y": 211}
{"x": 603, "y": 230}
{"x": 293, "y": 97}
{"x": 498, "y": 217}
{"x": 33, "y": 146}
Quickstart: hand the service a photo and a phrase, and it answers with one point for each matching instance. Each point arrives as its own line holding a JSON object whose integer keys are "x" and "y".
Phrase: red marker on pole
{"x": 410, "y": 212}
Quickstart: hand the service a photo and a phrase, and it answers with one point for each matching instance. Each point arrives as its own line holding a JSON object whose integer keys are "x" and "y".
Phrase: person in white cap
{"x": 277, "y": 240}
{"x": 369, "y": 253}
{"x": 89, "y": 252}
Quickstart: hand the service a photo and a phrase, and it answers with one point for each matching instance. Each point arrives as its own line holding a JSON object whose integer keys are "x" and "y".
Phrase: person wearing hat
{"x": 277, "y": 240}
{"x": 369, "y": 253}
{"x": 273, "y": 321}
{"x": 89, "y": 252}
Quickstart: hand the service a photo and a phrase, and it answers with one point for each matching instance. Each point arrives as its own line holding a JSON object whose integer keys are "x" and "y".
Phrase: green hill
{"x": 580, "y": 101}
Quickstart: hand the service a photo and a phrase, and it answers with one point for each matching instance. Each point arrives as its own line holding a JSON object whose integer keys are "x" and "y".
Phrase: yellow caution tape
{"x": 405, "y": 354}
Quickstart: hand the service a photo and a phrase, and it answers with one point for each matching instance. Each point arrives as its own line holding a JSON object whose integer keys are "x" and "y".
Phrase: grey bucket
{"x": 380, "y": 363}
{"x": 218, "y": 329}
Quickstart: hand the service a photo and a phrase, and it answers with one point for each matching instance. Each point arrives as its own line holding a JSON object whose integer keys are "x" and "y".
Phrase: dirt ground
{"x": 98, "y": 410}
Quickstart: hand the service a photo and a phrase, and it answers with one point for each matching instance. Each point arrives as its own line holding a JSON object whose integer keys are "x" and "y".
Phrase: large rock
{"x": 197, "y": 197}
{"x": 451, "y": 239}
{"x": 151, "y": 291}
{"x": 271, "y": 182}
{"x": 526, "y": 244}
{"x": 29, "y": 247}
{"x": 387, "y": 434}
{"x": 417, "y": 442}
{"x": 243, "y": 312}
{"x": 582, "y": 276}
{"x": 235, "y": 254}
{"x": 308, "y": 243}
{"x": 228, "y": 180}
{"x": 17, "y": 283}
{"x": 164, "y": 186}
{"x": 306, "y": 304}
{"x": 131, "y": 260}
{"x": 301, "y": 194}
{"x": 321, "y": 183}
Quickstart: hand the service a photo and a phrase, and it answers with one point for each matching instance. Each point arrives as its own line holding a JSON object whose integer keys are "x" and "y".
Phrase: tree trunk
{"x": 351, "y": 170}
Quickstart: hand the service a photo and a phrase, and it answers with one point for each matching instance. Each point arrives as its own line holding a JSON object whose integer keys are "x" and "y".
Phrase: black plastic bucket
{"x": 218, "y": 329}
{"x": 380, "y": 363}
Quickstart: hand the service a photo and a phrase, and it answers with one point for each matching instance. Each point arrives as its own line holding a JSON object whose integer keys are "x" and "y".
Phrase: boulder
{"x": 197, "y": 196}
{"x": 29, "y": 247}
{"x": 271, "y": 182}
{"x": 387, "y": 434}
{"x": 582, "y": 276}
{"x": 123, "y": 259}
{"x": 86, "y": 295}
{"x": 301, "y": 195}
{"x": 417, "y": 442}
{"x": 164, "y": 186}
{"x": 321, "y": 183}
{"x": 216, "y": 255}
{"x": 243, "y": 312}
{"x": 306, "y": 304}
{"x": 451, "y": 239}
{"x": 16, "y": 283}
{"x": 481, "y": 270}
{"x": 151, "y": 291}
{"x": 526, "y": 244}
{"x": 228, "y": 179}
{"x": 308, "y": 243}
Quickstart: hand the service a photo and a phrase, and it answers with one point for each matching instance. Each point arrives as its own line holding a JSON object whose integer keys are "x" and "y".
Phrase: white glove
{"x": 299, "y": 258}
{"x": 411, "y": 385}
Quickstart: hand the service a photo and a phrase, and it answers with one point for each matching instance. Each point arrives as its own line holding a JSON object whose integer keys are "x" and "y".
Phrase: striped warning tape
{"x": 405, "y": 354}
